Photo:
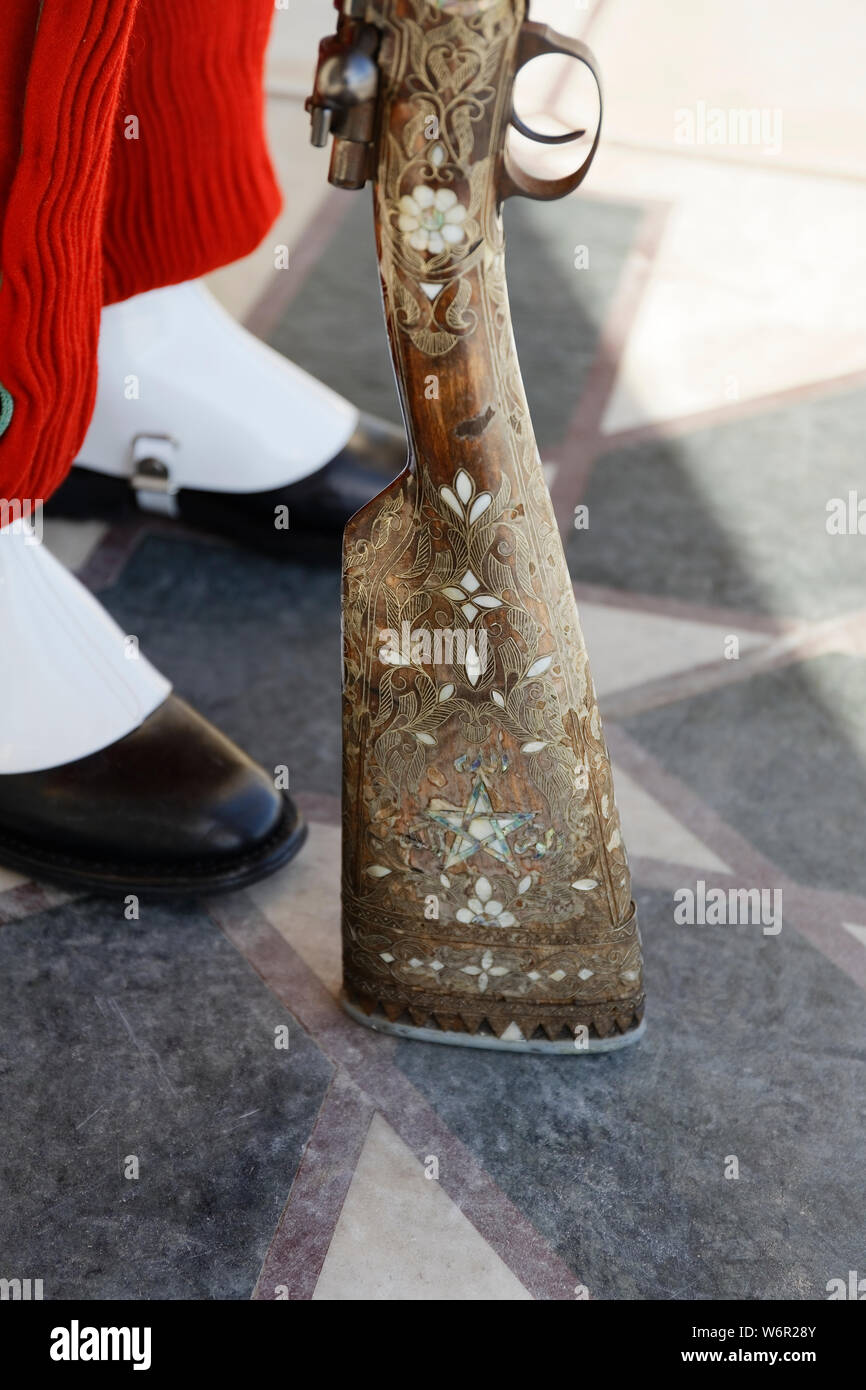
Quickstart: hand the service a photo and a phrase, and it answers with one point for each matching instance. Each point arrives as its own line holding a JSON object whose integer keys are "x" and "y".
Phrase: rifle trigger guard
{"x": 538, "y": 41}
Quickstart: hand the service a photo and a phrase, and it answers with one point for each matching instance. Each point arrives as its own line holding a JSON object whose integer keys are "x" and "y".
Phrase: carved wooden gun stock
{"x": 486, "y": 891}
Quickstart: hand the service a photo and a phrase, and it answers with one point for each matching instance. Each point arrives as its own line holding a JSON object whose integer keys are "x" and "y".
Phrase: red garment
{"x": 132, "y": 155}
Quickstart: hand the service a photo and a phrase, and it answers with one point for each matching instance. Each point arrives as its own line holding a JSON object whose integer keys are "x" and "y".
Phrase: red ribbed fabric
{"x": 196, "y": 189}
{"x": 88, "y": 215}
{"x": 50, "y": 251}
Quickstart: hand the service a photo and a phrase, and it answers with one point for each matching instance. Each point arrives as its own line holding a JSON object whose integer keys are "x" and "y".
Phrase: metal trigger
{"x": 543, "y": 139}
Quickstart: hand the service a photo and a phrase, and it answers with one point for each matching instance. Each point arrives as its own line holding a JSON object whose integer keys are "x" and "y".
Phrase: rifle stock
{"x": 486, "y": 890}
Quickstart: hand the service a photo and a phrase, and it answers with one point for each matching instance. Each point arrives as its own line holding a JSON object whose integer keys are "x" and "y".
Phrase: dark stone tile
{"x": 559, "y": 311}
{"x": 151, "y": 1038}
{"x": 251, "y": 642}
{"x": 755, "y": 1048}
{"x": 334, "y": 325}
{"x": 782, "y": 758}
{"x": 733, "y": 515}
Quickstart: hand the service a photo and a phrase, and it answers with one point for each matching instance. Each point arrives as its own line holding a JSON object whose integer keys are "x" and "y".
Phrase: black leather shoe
{"x": 318, "y": 506}
{"x": 173, "y": 808}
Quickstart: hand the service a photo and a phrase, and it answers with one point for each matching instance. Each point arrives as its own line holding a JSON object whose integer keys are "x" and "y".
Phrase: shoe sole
{"x": 216, "y": 874}
{"x": 85, "y": 495}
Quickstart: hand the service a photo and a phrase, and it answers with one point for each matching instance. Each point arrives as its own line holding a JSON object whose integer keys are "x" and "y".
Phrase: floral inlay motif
{"x": 484, "y": 910}
{"x": 431, "y": 219}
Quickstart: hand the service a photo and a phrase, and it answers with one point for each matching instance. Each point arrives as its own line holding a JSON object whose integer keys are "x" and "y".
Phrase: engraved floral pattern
{"x": 551, "y": 869}
{"x": 437, "y": 220}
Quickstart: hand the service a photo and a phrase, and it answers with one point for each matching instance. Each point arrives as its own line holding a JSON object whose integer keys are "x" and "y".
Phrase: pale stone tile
{"x": 760, "y": 281}
{"x": 72, "y": 542}
{"x": 567, "y": 16}
{"x": 628, "y": 647}
{"x": 302, "y": 902}
{"x": 400, "y": 1237}
{"x": 302, "y": 172}
{"x": 294, "y": 46}
{"x": 651, "y": 832}
{"x": 759, "y": 286}
{"x": 783, "y": 55}
{"x": 8, "y": 880}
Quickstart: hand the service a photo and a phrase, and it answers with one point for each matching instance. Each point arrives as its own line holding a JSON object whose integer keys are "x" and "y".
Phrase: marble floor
{"x": 701, "y": 387}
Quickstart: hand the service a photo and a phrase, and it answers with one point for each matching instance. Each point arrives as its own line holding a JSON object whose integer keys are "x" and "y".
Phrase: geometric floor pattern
{"x": 162, "y": 1145}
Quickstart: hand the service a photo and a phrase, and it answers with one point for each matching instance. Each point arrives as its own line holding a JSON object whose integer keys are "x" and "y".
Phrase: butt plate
{"x": 511, "y": 1039}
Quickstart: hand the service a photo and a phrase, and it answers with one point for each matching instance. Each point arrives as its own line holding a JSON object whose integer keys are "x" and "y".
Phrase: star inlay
{"x": 478, "y": 828}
